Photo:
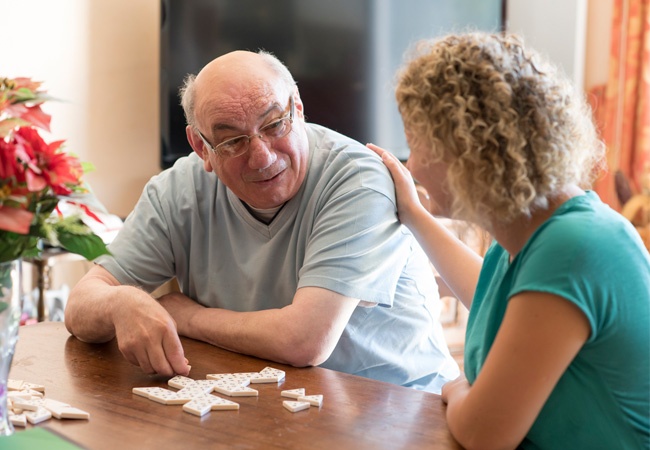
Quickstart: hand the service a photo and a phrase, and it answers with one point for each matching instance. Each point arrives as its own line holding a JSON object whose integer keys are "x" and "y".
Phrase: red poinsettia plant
{"x": 34, "y": 176}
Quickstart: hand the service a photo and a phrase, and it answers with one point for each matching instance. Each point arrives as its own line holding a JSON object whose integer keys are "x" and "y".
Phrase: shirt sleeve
{"x": 141, "y": 254}
{"x": 358, "y": 248}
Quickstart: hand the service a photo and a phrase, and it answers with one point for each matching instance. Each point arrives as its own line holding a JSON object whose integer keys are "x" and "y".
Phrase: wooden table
{"x": 357, "y": 413}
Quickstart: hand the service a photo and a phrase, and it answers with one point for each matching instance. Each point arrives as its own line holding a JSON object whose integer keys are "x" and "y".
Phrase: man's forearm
{"x": 257, "y": 333}
{"x": 301, "y": 334}
{"x": 88, "y": 313}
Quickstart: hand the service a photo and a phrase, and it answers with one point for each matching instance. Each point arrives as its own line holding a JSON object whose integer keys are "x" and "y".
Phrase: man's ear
{"x": 297, "y": 101}
{"x": 198, "y": 146}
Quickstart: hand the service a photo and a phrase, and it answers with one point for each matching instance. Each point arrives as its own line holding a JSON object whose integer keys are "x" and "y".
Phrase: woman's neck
{"x": 514, "y": 235}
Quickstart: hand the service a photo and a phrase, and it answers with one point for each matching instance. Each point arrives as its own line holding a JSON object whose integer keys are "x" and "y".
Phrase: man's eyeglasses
{"x": 238, "y": 145}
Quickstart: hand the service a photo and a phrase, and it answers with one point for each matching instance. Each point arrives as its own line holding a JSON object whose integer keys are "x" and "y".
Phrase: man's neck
{"x": 264, "y": 215}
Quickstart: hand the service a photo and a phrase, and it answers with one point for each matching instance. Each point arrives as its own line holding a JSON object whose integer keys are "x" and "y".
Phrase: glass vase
{"x": 10, "y": 310}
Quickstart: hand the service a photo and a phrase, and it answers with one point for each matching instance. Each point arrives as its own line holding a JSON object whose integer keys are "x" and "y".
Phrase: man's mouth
{"x": 268, "y": 175}
{"x": 272, "y": 178}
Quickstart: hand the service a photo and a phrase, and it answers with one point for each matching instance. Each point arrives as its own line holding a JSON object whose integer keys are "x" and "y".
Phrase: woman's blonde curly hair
{"x": 512, "y": 131}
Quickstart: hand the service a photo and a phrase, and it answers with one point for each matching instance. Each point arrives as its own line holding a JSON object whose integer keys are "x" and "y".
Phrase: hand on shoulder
{"x": 408, "y": 200}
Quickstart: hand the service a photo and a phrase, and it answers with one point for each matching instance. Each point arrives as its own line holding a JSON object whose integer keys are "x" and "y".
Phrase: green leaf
{"x": 23, "y": 95}
{"x": 9, "y": 124}
{"x": 5, "y": 276}
{"x": 13, "y": 245}
{"x": 87, "y": 167}
{"x": 90, "y": 246}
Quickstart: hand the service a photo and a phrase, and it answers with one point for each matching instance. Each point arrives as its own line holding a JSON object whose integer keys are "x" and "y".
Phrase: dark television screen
{"x": 342, "y": 53}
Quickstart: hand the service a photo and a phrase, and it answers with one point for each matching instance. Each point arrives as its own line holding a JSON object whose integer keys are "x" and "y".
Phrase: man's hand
{"x": 99, "y": 309}
{"x": 147, "y": 337}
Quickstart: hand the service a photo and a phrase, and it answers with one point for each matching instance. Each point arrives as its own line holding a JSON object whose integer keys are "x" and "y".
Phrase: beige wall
{"x": 101, "y": 58}
{"x": 599, "y": 24}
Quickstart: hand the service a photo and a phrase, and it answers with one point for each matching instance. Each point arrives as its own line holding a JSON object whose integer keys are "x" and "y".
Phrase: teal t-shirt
{"x": 591, "y": 256}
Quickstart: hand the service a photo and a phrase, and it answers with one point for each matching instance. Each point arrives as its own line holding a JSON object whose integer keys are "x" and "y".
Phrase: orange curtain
{"x": 622, "y": 107}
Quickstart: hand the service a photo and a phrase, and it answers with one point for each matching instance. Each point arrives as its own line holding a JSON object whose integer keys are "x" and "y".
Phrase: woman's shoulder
{"x": 585, "y": 234}
{"x": 585, "y": 220}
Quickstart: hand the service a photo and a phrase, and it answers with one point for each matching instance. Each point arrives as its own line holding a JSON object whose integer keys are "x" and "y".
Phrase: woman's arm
{"x": 539, "y": 337}
{"x": 458, "y": 265}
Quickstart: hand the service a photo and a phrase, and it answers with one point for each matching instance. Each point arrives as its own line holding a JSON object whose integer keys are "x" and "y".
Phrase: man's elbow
{"x": 81, "y": 326}
{"x": 77, "y": 330}
{"x": 306, "y": 353}
{"x": 70, "y": 316}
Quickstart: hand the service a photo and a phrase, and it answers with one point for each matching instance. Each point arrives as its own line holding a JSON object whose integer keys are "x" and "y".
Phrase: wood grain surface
{"x": 357, "y": 413}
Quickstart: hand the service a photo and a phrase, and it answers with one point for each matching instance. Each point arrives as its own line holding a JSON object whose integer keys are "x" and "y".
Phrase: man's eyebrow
{"x": 225, "y": 126}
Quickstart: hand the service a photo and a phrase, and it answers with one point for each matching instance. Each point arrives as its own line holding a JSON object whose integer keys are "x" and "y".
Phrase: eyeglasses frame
{"x": 215, "y": 149}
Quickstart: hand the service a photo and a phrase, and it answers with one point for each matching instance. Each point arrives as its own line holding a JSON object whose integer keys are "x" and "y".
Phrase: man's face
{"x": 271, "y": 171}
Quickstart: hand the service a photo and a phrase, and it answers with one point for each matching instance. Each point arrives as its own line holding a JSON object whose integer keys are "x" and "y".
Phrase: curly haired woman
{"x": 557, "y": 351}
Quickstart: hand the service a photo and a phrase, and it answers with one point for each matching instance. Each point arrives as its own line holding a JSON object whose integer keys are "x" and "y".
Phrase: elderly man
{"x": 292, "y": 252}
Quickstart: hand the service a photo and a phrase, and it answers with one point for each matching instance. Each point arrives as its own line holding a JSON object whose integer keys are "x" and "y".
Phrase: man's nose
{"x": 260, "y": 153}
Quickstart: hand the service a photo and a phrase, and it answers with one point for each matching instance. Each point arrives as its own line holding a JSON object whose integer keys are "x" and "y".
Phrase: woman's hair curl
{"x": 512, "y": 130}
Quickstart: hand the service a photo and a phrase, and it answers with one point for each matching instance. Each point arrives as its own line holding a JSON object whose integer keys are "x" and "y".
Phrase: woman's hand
{"x": 457, "y": 386}
{"x": 408, "y": 200}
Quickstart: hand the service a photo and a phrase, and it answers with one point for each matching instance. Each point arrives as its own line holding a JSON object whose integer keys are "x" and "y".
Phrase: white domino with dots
{"x": 295, "y": 406}
{"x": 293, "y": 393}
{"x": 233, "y": 389}
{"x": 313, "y": 400}
{"x": 197, "y": 399}
{"x": 179, "y": 382}
{"x": 203, "y": 405}
{"x": 268, "y": 375}
{"x": 18, "y": 420}
{"x": 26, "y": 402}
{"x": 61, "y": 410}
{"x": 38, "y": 416}
{"x": 243, "y": 378}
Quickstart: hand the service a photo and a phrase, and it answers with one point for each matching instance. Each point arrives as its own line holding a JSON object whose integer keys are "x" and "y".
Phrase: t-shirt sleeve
{"x": 141, "y": 252}
{"x": 358, "y": 247}
{"x": 561, "y": 261}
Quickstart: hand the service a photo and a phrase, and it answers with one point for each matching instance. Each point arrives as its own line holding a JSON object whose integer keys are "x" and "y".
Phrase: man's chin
{"x": 267, "y": 201}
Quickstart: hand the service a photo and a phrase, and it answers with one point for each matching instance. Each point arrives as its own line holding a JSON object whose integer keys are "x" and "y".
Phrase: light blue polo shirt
{"x": 340, "y": 232}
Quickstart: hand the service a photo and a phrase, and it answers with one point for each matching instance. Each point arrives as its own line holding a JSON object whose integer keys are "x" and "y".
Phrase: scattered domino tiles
{"x": 294, "y": 406}
{"x": 196, "y": 395}
{"x": 26, "y": 402}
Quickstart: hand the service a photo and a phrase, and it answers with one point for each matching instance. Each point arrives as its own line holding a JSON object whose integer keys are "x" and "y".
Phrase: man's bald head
{"x": 233, "y": 72}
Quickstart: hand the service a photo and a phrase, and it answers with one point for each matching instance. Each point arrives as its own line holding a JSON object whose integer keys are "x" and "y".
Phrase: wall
{"x": 556, "y": 28}
{"x": 101, "y": 58}
{"x": 599, "y": 24}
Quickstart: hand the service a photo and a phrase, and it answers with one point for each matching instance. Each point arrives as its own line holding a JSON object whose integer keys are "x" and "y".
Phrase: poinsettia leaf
{"x": 37, "y": 117}
{"x": 23, "y": 94}
{"x": 10, "y": 124}
{"x": 23, "y": 82}
{"x": 90, "y": 246}
{"x": 15, "y": 220}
